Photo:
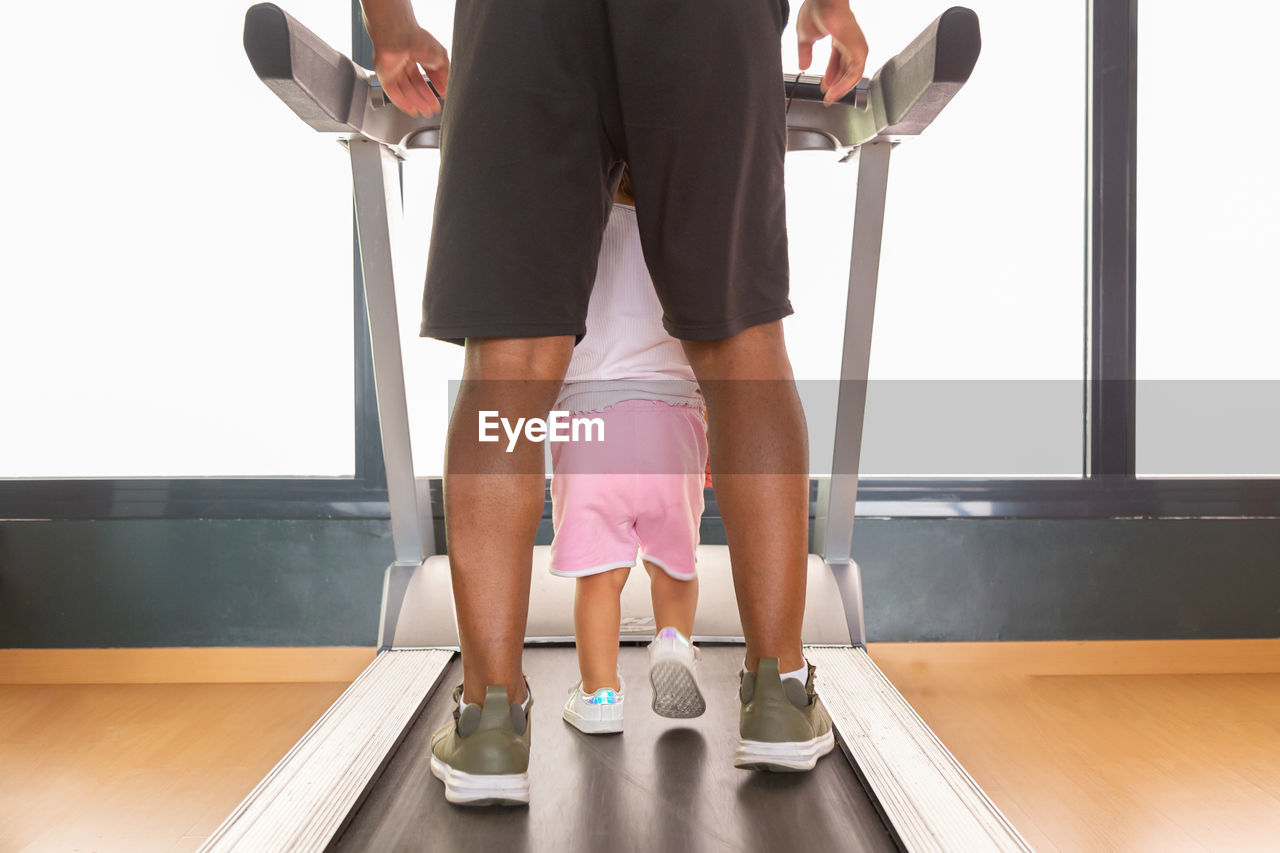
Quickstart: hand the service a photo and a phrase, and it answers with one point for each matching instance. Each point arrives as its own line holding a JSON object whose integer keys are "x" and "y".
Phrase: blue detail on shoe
{"x": 672, "y": 634}
{"x": 604, "y": 696}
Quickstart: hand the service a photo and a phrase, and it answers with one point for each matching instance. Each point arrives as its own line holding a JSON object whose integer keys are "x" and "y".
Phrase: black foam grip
{"x": 266, "y": 41}
{"x": 959, "y": 41}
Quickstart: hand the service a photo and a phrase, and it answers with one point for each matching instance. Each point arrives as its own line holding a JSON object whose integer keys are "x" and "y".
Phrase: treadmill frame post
{"x": 838, "y": 495}
{"x": 375, "y": 176}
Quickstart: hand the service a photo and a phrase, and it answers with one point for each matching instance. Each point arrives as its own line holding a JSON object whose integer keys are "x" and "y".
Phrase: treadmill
{"x": 359, "y": 779}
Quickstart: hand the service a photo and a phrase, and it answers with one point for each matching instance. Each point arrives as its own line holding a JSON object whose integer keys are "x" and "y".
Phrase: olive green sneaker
{"x": 783, "y": 725}
{"x": 483, "y": 755}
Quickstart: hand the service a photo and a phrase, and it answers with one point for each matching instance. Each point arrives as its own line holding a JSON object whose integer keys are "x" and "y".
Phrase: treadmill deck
{"x": 660, "y": 785}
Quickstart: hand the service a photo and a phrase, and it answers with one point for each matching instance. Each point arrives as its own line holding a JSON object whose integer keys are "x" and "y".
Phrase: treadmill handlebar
{"x": 327, "y": 90}
{"x": 917, "y": 83}
{"x": 333, "y": 94}
{"x": 315, "y": 80}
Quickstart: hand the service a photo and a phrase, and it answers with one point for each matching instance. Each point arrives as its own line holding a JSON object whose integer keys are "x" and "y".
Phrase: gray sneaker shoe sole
{"x": 786, "y": 757}
{"x": 675, "y": 691}
{"x": 472, "y": 789}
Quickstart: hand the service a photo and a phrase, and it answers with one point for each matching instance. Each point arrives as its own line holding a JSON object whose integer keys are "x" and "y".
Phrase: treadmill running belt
{"x": 661, "y": 785}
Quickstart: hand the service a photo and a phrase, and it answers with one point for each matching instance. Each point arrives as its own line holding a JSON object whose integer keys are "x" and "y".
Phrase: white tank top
{"x": 626, "y": 354}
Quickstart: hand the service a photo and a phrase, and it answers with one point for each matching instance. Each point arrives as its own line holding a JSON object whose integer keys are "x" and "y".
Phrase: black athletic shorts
{"x": 547, "y": 100}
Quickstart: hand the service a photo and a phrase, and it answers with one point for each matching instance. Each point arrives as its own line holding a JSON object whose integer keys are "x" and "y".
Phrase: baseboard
{"x": 183, "y": 665}
{"x": 344, "y": 663}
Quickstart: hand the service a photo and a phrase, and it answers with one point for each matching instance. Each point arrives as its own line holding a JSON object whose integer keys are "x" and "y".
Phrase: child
{"x": 638, "y": 490}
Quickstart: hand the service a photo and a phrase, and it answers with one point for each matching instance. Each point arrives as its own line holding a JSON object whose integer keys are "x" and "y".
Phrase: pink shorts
{"x": 639, "y": 490}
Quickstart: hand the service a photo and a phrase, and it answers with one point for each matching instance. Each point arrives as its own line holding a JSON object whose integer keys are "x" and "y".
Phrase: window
{"x": 1208, "y": 356}
{"x": 977, "y": 354}
{"x": 178, "y": 253}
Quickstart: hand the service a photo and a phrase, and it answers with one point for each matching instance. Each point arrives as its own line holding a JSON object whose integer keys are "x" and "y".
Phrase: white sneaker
{"x": 672, "y": 664}
{"x": 595, "y": 713}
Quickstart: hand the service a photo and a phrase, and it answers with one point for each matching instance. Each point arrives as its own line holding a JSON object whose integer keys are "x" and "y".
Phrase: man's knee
{"x": 518, "y": 358}
{"x": 757, "y": 352}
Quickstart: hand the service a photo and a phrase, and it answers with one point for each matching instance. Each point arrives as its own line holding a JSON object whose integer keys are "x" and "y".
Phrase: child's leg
{"x": 597, "y": 617}
{"x": 674, "y": 601}
{"x": 672, "y": 658}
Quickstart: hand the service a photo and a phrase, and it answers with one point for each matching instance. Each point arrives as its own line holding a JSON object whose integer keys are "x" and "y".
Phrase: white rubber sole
{"x": 790, "y": 756}
{"x": 675, "y": 690}
{"x": 481, "y": 789}
{"x": 592, "y": 727}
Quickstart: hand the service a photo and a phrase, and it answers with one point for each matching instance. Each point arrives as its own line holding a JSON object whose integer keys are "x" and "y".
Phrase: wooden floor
{"x": 1101, "y": 747}
{"x": 139, "y": 767}
{"x": 1086, "y": 747}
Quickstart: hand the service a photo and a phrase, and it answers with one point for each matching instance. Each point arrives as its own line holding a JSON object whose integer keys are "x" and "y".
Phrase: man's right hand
{"x": 396, "y": 57}
{"x": 820, "y": 18}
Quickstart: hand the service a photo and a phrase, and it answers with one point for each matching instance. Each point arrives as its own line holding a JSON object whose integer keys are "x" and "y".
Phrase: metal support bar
{"x": 833, "y": 532}
{"x": 837, "y": 497}
{"x": 377, "y": 190}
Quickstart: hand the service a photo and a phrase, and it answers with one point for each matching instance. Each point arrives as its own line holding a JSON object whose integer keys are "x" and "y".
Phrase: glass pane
{"x": 1208, "y": 217}
{"x": 428, "y": 364}
{"x": 977, "y": 353}
{"x": 178, "y": 261}
{"x": 982, "y": 271}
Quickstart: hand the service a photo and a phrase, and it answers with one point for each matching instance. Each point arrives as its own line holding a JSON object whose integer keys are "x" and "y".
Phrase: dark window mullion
{"x": 1111, "y": 357}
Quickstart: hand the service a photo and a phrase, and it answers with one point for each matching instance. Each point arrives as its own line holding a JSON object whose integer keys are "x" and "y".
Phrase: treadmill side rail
{"x": 304, "y": 801}
{"x": 928, "y": 799}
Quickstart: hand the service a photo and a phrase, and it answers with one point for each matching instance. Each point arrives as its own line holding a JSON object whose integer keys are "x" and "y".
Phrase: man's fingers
{"x": 434, "y": 59}
{"x": 440, "y": 77}
{"x": 394, "y": 88}
{"x": 848, "y": 60}
{"x": 831, "y": 75}
{"x": 808, "y": 32}
{"x": 842, "y": 76}
{"x": 392, "y": 91}
{"x": 430, "y": 104}
{"x": 402, "y": 78}
{"x": 805, "y": 51}
{"x": 415, "y": 90}
{"x": 840, "y": 87}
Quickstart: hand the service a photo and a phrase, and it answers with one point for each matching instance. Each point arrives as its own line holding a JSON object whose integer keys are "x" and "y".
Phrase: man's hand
{"x": 819, "y": 18}
{"x": 396, "y": 58}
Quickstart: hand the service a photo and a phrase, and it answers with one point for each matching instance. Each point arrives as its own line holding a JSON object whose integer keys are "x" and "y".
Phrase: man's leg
{"x": 759, "y": 467}
{"x": 493, "y": 500}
